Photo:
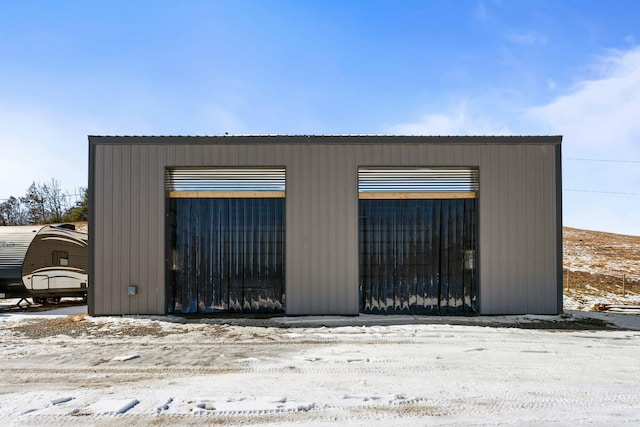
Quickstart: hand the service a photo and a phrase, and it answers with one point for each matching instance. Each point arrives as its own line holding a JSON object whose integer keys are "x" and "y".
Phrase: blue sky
{"x": 73, "y": 68}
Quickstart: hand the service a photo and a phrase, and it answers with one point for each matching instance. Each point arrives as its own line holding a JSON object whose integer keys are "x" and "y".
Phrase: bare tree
{"x": 44, "y": 203}
{"x": 34, "y": 203}
{"x": 54, "y": 200}
{"x": 12, "y": 212}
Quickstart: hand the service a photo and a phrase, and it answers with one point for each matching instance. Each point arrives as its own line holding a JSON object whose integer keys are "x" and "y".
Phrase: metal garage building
{"x": 325, "y": 224}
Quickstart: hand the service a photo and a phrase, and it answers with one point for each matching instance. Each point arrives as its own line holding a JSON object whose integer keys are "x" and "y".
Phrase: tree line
{"x": 44, "y": 203}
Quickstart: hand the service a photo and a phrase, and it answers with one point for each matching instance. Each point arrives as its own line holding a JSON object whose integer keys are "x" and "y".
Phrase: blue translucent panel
{"x": 418, "y": 256}
{"x": 226, "y": 255}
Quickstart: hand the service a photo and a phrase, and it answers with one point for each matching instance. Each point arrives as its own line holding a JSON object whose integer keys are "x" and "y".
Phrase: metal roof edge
{"x": 324, "y": 139}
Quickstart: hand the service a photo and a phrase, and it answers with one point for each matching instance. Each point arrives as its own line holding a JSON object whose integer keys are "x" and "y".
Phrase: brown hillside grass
{"x": 593, "y": 259}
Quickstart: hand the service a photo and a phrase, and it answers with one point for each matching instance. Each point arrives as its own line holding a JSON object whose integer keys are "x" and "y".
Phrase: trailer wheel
{"x": 56, "y": 300}
{"x": 39, "y": 300}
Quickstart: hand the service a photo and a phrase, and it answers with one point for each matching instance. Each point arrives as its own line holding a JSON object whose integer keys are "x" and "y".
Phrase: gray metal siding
{"x": 519, "y": 264}
{"x": 558, "y": 206}
{"x": 321, "y": 229}
{"x": 517, "y": 229}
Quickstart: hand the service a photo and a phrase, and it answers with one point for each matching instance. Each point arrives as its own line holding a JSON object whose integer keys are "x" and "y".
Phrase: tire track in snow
{"x": 318, "y": 412}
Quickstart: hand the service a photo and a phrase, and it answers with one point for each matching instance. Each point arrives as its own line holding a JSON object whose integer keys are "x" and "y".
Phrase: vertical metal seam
{"x": 559, "y": 266}
{"x": 91, "y": 232}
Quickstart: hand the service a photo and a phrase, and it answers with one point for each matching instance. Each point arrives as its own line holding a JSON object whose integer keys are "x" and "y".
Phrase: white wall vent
{"x": 225, "y": 182}
{"x": 417, "y": 183}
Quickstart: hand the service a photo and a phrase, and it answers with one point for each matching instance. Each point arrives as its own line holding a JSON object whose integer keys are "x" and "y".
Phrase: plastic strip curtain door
{"x": 418, "y": 256}
{"x": 226, "y": 255}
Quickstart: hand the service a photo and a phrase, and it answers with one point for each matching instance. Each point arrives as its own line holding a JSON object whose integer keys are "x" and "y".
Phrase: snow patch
{"x": 126, "y": 357}
{"x": 108, "y": 407}
{"x": 60, "y": 400}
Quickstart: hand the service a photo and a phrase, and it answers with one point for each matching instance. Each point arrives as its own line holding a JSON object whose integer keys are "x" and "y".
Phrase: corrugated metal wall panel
{"x": 297, "y": 234}
{"x": 343, "y": 222}
{"x": 321, "y": 216}
{"x": 513, "y": 167}
{"x": 527, "y": 193}
{"x": 523, "y": 192}
{"x": 121, "y": 214}
{"x": 102, "y": 283}
{"x": 558, "y": 225}
{"x": 484, "y": 229}
{"x": 348, "y": 232}
{"x": 141, "y": 228}
{"x": 540, "y": 166}
{"x": 146, "y": 222}
{"x": 552, "y": 225}
{"x": 497, "y": 242}
{"x": 505, "y": 239}
{"x": 319, "y": 204}
{"x": 157, "y": 288}
{"x": 531, "y": 164}
{"x": 137, "y": 258}
{"x": 111, "y": 207}
{"x": 125, "y": 214}
{"x": 517, "y": 240}
{"x": 134, "y": 242}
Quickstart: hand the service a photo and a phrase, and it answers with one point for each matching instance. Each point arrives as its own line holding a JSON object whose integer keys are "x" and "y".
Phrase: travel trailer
{"x": 43, "y": 262}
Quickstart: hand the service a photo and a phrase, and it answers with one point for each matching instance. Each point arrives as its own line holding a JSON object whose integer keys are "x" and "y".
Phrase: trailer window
{"x": 60, "y": 258}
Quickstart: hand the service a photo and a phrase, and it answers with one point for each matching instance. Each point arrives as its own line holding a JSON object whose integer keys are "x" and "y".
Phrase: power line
{"x": 584, "y": 159}
{"x": 600, "y": 160}
{"x": 602, "y": 192}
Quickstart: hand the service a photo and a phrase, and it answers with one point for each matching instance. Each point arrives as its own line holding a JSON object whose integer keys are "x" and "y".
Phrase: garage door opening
{"x": 226, "y": 240}
{"x": 417, "y": 240}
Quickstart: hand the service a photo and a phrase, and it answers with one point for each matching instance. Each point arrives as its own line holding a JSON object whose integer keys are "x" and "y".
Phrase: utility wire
{"x": 600, "y": 160}
{"x": 602, "y": 192}
{"x": 603, "y": 161}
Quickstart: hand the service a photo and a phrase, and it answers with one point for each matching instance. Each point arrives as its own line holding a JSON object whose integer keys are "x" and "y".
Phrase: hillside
{"x": 594, "y": 265}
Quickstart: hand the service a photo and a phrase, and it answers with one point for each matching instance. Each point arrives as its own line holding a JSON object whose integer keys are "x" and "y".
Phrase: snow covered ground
{"x": 62, "y": 367}
{"x": 590, "y": 297}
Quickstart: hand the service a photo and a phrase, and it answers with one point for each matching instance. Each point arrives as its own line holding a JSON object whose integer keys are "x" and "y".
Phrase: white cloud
{"x": 527, "y": 38}
{"x": 454, "y": 121}
{"x": 598, "y": 118}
